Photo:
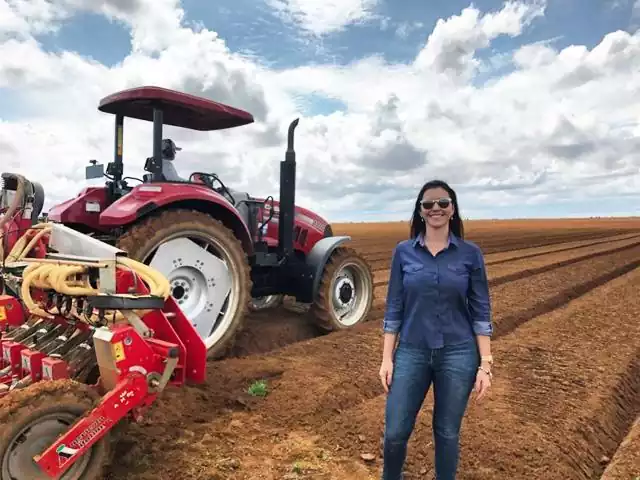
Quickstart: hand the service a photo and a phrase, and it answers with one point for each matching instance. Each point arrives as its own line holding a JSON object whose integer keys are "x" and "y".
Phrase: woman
{"x": 438, "y": 308}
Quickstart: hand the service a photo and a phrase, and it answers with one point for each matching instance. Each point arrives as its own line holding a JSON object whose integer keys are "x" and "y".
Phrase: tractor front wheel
{"x": 206, "y": 266}
{"x": 33, "y": 418}
{"x": 346, "y": 291}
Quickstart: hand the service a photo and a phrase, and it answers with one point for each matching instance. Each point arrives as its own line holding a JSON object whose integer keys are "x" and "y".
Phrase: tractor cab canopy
{"x": 162, "y": 106}
{"x": 178, "y": 109}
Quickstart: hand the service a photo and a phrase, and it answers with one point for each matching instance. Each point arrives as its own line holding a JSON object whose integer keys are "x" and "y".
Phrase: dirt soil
{"x": 566, "y": 390}
{"x": 625, "y": 464}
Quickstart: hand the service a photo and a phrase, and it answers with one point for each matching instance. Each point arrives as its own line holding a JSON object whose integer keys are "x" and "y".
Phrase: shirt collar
{"x": 453, "y": 240}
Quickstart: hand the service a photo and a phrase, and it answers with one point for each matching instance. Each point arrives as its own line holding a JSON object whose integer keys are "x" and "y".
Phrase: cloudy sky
{"x": 528, "y": 108}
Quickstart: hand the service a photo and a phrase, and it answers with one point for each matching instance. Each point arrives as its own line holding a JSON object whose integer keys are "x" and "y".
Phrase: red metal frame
{"x": 172, "y": 326}
{"x": 73, "y": 211}
{"x": 179, "y": 109}
{"x": 12, "y": 313}
{"x": 129, "y": 393}
{"x": 135, "y": 357}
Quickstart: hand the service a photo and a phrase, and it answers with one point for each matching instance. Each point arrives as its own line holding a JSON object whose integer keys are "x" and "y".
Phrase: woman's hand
{"x": 483, "y": 383}
{"x": 386, "y": 372}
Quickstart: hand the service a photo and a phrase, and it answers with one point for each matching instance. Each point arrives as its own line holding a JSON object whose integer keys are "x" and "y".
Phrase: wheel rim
{"x": 350, "y": 294}
{"x": 35, "y": 438}
{"x": 261, "y": 303}
{"x": 189, "y": 274}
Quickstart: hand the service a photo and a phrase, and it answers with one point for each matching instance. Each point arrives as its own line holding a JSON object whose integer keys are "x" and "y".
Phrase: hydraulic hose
{"x": 62, "y": 277}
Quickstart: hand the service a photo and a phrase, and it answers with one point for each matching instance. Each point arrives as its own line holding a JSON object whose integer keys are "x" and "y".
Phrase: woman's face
{"x": 436, "y": 207}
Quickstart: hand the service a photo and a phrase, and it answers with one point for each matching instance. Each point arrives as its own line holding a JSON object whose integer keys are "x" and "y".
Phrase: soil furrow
{"x": 566, "y": 390}
{"x": 545, "y": 268}
{"x": 582, "y": 265}
{"x": 558, "y": 249}
{"x": 516, "y": 268}
{"x": 310, "y": 381}
{"x": 494, "y": 244}
{"x": 494, "y": 241}
{"x": 625, "y": 464}
{"x": 511, "y": 322}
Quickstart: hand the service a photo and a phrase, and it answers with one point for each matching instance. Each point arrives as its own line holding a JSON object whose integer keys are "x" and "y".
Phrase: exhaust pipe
{"x": 287, "y": 195}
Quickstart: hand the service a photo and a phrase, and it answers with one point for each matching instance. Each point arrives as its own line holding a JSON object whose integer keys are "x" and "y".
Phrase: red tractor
{"x": 221, "y": 250}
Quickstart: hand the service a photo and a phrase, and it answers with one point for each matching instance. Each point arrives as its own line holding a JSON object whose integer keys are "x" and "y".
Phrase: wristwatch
{"x": 487, "y": 358}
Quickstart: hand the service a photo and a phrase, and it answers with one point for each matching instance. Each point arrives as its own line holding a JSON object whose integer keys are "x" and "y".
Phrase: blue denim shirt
{"x": 439, "y": 300}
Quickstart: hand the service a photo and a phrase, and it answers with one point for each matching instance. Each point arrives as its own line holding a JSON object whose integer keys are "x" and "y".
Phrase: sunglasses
{"x": 442, "y": 203}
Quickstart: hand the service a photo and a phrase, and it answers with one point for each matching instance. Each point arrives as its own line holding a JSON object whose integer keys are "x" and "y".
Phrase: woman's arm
{"x": 480, "y": 308}
{"x": 394, "y": 307}
{"x": 392, "y": 320}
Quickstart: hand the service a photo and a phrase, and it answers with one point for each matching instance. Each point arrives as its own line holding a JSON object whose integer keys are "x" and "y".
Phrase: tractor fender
{"x": 319, "y": 255}
{"x": 146, "y": 199}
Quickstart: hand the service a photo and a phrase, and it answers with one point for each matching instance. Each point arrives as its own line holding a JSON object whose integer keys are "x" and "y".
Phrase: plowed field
{"x": 566, "y": 389}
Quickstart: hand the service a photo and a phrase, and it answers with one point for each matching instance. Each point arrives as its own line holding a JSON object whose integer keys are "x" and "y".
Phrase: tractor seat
{"x": 170, "y": 173}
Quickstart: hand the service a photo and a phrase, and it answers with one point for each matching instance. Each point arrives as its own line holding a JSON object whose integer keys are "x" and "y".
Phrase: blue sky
{"x": 505, "y": 135}
{"x": 251, "y": 26}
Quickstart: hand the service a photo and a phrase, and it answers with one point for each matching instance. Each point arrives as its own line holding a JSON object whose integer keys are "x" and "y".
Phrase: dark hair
{"x": 417, "y": 225}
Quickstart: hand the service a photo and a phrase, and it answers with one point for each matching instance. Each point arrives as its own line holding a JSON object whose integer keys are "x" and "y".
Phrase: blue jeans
{"x": 452, "y": 369}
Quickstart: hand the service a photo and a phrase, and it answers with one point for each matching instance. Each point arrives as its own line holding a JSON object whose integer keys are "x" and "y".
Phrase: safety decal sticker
{"x": 64, "y": 454}
{"x": 118, "y": 351}
{"x": 92, "y": 431}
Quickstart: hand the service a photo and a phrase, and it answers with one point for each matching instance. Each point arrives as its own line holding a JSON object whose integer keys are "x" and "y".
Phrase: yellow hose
{"x": 18, "y": 252}
{"x": 61, "y": 277}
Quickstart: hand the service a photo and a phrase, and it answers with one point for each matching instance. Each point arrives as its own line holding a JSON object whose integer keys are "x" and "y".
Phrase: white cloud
{"x": 562, "y": 124}
{"x": 321, "y": 17}
{"x": 451, "y": 47}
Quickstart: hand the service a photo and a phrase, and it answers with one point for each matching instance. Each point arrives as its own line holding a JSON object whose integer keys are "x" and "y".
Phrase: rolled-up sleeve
{"x": 394, "y": 309}
{"x": 478, "y": 297}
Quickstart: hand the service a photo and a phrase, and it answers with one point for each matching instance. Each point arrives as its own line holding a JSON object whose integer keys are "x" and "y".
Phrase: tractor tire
{"x": 345, "y": 272}
{"x": 144, "y": 237}
{"x": 32, "y": 419}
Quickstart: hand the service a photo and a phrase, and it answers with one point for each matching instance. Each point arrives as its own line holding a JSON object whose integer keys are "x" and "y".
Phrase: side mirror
{"x": 95, "y": 170}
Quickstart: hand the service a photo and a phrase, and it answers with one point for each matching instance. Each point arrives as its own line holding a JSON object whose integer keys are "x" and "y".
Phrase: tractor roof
{"x": 180, "y": 109}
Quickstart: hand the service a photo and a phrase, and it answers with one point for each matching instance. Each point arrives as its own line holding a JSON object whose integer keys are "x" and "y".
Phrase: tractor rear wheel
{"x": 33, "y": 418}
{"x": 206, "y": 266}
{"x": 346, "y": 291}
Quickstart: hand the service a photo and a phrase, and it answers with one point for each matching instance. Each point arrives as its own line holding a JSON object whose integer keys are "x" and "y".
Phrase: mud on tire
{"x": 145, "y": 236}
{"x": 322, "y": 309}
{"x": 64, "y": 400}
